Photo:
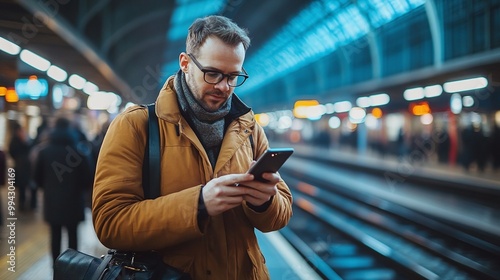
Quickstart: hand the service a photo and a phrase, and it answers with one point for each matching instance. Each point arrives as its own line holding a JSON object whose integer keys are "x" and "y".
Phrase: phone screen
{"x": 271, "y": 161}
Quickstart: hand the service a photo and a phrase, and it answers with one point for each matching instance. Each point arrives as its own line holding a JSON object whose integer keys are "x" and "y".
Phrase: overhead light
{"x": 9, "y": 47}
{"x": 90, "y": 88}
{"x": 57, "y": 73}
{"x": 465, "y": 85}
{"x": 363, "y": 102}
{"x": 102, "y": 100}
{"x": 413, "y": 94}
{"x": 76, "y": 81}
{"x": 433, "y": 91}
{"x": 35, "y": 60}
{"x": 342, "y": 106}
{"x": 379, "y": 99}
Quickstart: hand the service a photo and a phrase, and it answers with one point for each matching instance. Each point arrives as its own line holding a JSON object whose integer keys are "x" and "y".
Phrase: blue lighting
{"x": 33, "y": 89}
{"x": 317, "y": 31}
{"x": 187, "y": 11}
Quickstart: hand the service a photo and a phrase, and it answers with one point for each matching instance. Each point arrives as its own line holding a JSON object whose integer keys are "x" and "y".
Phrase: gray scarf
{"x": 209, "y": 126}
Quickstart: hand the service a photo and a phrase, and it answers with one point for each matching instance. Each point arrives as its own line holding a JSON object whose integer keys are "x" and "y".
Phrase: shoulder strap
{"x": 252, "y": 145}
{"x": 151, "y": 165}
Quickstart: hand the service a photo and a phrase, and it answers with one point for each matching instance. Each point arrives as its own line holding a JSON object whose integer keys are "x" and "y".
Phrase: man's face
{"x": 217, "y": 56}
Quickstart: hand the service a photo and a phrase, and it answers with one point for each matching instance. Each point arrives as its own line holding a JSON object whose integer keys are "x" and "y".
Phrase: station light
{"x": 372, "y": 122}
{"x": 465, "y": 85}
{"x": 57, "y": 73}
{"x": 11, "y": 96}
{"x": 329, "y": 108}
{"x": 3, "y": 91}
{"x": 357, "y": 115}
{"x": 334, "y": 122}
{"x": 413, "y": 94}
{"x": 76, "y": 81}
{"x": 9, "y": 47}
{"x": 433, "y": 91}
{"x": 342, "y": 106}
{"x": 426, "y": 119}
{"x": 468, "y": 101}
{"x": 90, "y": 88}
{"x": 377, "y": 113}
{"x": 363, "y": 102}
{"x": 263, "y": 119}
{"x": 379, "y": 99}
{"x": 419, "y": 109}
{"x": 31, "y": 88}
{"x": 303, "y": 109}
{"x": 34, "y": 60}
{"x": 456, "y": 103}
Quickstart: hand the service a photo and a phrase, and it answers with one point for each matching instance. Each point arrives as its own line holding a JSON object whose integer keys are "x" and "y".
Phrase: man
{"x": 203, "y": 223}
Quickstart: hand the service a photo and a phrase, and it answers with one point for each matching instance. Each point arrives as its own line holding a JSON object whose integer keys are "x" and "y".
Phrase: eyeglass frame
{"x": 227, "y": 76}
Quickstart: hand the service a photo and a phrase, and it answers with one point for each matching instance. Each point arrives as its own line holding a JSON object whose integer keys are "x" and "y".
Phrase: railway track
{"x": 346, "y": 234}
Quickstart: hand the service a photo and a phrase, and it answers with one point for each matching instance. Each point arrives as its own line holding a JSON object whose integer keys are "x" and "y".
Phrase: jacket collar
{"x": 167, "y": 107}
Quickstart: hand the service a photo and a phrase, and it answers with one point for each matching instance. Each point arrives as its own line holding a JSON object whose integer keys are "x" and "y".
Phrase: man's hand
{"x": 229, "y": 191}
{"x": 257, "y": 192}
{"x": 222, "y": 194}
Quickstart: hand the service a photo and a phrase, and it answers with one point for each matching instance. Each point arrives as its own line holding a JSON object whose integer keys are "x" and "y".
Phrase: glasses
{"x": 214, "y": 77}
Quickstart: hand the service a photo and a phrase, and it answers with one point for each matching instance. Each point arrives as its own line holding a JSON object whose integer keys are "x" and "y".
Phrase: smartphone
{"x": 270, "y": 161}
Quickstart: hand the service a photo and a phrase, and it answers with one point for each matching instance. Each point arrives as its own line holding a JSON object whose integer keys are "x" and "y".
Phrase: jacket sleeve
{"x": 122, "y": 218}
{"x": 279, "y": 212}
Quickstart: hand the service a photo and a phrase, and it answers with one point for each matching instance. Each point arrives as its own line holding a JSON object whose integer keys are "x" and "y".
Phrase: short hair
{"x": 219, "y": 26}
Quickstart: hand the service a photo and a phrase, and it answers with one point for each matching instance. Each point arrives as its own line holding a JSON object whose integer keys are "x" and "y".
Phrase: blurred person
{"x": 19, "y": 150}
{"x": 204, "y": 220}
{"x": 443, "y": 145}
{"x": 41, "y": 131}
{"x": 63, "y": 174}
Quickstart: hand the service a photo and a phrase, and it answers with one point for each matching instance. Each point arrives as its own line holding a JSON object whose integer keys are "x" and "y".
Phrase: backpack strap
{"x": 151, "y": 165}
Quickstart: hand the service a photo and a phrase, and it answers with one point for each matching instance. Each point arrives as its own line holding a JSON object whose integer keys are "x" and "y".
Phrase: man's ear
{"x": 184, "y": 62}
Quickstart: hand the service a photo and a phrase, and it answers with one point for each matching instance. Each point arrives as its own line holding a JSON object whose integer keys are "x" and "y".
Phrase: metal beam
{"x": 60, "y": 26}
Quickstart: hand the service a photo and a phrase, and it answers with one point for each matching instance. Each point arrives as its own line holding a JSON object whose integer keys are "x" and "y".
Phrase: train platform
{"x": 31, "y": 260}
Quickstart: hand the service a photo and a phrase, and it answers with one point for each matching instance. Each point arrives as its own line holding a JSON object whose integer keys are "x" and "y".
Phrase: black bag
{"x": 75, "y": 265}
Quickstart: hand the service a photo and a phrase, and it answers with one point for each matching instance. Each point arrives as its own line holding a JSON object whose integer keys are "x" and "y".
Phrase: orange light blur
{"x": 295, "y": 137}
{"x": 306, "y": 188}
{"x": 300, "y": 108}
{"x": 306, "y": 103}
{"x": 377, "y": 112}
{"x": 33, "y": 77}
{"x": 3, "y": 91}
{"x": 11, "y": 95}
{"x": 306, "y": 205}
{"x": 419, "y": 109}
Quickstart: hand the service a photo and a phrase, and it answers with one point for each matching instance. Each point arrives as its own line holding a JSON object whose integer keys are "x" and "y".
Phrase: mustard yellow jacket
{"x": 227, "y": 247}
